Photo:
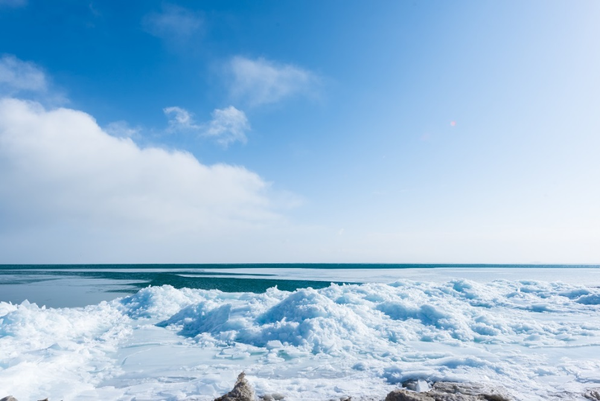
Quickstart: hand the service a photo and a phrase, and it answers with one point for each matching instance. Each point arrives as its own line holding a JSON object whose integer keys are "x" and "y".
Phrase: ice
{"x": 539, "y": 339}
{"x": 422, "y": 386}
{"x": 592, "y": 299}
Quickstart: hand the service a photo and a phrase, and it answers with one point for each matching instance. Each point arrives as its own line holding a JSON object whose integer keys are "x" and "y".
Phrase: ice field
{"x": 538, "y": 336}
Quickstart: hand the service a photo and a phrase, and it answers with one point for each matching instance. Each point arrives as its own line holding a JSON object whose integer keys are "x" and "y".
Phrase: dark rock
{"x": 242, "y": 391}
{"x": 593, "y": 394}
{"x": 9, "y": 398}
{"x": 408, "y": 395}
{"x": 448, "y": 391}
{"x": 472, "y": 390}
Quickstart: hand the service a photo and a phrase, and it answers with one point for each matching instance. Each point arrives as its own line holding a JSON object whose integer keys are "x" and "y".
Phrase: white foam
{"x": 538, "y": 339}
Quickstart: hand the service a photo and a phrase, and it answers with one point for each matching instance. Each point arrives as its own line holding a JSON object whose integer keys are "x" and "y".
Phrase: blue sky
{"x": 338, "y": 131}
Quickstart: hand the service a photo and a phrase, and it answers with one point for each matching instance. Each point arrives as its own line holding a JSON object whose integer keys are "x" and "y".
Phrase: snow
{"x": 539, "y": 339}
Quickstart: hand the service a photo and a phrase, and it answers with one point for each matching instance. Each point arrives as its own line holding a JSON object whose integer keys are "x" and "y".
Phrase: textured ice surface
{"x": 541, "y": 340}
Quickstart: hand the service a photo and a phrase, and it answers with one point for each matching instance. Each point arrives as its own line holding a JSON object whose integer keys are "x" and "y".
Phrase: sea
{"x": 298, "y": 331}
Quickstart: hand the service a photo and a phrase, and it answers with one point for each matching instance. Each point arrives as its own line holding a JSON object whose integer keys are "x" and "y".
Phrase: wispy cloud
{"x": 261, "y": 81}
{"x": 180, "y": 120}
{"x": 174, "y": 22}
{"x": 17, "y": 76}
{"x": 228, "y": 125}
{"x": 25, "y": 79}
{"x": 13, "y": 3}
{"x": 121, "y": 129}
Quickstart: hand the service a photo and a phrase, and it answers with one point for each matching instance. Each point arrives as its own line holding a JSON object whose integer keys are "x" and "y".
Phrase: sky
{"x": 290, "y": 132}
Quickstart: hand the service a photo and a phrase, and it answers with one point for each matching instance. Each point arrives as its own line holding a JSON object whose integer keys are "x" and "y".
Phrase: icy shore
{"x": 539, "y": 340}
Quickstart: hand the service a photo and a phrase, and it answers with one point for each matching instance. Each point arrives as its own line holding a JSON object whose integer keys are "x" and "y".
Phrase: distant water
{"x": 85, "y": 284}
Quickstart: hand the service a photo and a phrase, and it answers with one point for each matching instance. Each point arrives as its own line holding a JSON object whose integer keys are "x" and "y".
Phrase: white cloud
{"x": 262, "y": 81}
{"x": 227, "y": 125}
{"x": 17, "y": 76}
{"x": 173, "y": 22}
{"x": 180, "y": 119}
{"x": 122, "y": 129}
{"x": 63, "y": 177}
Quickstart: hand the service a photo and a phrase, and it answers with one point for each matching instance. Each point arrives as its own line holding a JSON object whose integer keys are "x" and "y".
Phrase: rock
{"x": 448, "y": 391}
{"x": 242, "y": 391}
{"x": 593, "y": 394}
{"x": 407, "y": 395}
{"x": 9, "y": 398}
{"x": 272, "y": 397}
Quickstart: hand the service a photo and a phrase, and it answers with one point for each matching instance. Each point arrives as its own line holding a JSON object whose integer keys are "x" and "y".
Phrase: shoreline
{"x": 363, "y": 340}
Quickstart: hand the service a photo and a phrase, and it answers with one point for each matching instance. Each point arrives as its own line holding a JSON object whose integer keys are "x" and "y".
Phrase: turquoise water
{"x": 80, "y": 285}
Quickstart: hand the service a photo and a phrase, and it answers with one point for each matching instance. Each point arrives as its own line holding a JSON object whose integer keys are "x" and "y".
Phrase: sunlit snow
{"x": 540, "y": 340}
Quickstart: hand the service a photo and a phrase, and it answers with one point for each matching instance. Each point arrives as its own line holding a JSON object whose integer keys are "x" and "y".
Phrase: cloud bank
{"x": 61, "y": 173}
{"x": 261, "y": 81}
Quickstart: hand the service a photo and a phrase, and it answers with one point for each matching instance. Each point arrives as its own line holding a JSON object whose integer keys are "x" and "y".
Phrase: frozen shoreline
{"x": 538, "y": 339}
{"x": 72, "y": 286}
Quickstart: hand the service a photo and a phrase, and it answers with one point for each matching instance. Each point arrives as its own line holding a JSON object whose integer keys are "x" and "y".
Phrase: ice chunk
{"x": 592, "y": 299}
